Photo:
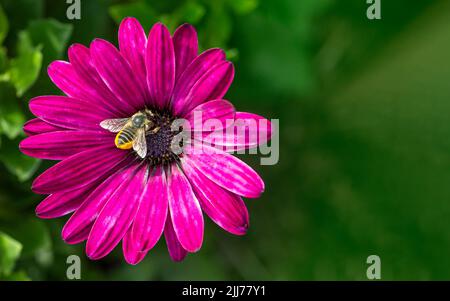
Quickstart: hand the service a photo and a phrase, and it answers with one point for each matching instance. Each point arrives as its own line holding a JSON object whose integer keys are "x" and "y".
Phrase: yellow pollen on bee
{"x": 127, "y": 145}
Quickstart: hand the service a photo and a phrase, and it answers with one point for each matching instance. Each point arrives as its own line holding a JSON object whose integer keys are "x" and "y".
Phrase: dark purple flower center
{"x": 159, "y": 140}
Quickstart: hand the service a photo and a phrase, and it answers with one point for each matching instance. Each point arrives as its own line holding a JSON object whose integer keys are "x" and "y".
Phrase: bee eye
{"x": 138, "y": 120}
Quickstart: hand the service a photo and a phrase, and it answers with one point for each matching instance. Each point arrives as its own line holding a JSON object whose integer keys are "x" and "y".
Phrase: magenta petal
{"x": 116, "y": 217}
{"x": 220, "y": 110}
{"x": 185, "y": 44}
{"x": 160, "y": 61}
{"x": 79, "y": 236}
{"x": 225, "y": 208}
{"x": 194, "y": 71}
{"x": 185, "y": 211}
{"x": 80, "y": 223}
{"x": 212, "y": 85}
{"x": 65, "y": 78}
{"x": 225, "y": 170}
{"x": 176, "y": 251}
{"x": 62, "y": 203}
{"x": 248, "y": 131}
{"x": 132, "y": 43}
{"x": 130, "y": 252}
{"x": 117, "y": 73}
{"x": 71, "y": 113}
{"x": 80, "y": 58}
{"x": 149, "y": 223}
{"x": 79, "y": 170}
{"x": 37, "y": 126}
{"x": 62, "y": 144}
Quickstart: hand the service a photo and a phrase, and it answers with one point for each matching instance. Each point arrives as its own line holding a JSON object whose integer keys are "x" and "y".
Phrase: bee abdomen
{"x": 125, "y": 138}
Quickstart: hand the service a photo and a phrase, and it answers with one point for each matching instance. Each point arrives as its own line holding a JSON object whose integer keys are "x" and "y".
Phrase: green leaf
{"x": 11, "y": 116}
{"x": 9, "y": 252}
{"x": 140, "y": 10}
{"x": 20, "y": 12}
{"x": 243, "y": 6}
{"x": 218, "y": 27}
{"x": 24, "y": 69}
{"x": 191, "y": 12}
{"x": 3, "y": 61}
{"x": 52, "y": 35}
{"x": 18, "y": 276}
{"x": 4, "y": 25}
{"x": 392, "y": 121}
{"x": 35, "y": 237}
{"x": 20, "y": 165}
{"x": 232, "y": 54}
{"x": 10, "y": 124}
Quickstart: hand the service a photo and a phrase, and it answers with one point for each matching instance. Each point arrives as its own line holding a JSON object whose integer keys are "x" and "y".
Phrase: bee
{"x": 131, "y": 131}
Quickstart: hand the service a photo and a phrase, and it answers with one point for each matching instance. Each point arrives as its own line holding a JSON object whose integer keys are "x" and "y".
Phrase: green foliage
{"x": 191, "y": 12}
{"x": 4, "y": 25}
{"x": 19, "y": 165}
{"x": 24, "y": 69}
{"x": 140, "y": 10}
{"x": 11, "y": 116}
{"x": 218, "y": 25}
{"x": 214, "y": 18}
{"x": 52, "y": 35}
{"x": 9, "y": 252}
{"x": 3, "y": 62}
{"x": 243, "y": 6}
{"x": 36, "y": 240}
{"x": 42, "y": 41}
{"x": 19, "y": 74}
{"x": 35, "y": 249}
{"x": 20, "y": 12}
{"x": 18, "y": 276}
{"x": 29, "y": 42}
{"x": 393, "y": 119}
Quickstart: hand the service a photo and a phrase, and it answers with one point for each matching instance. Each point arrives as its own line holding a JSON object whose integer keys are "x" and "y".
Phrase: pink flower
{"x": 114, "y": 194}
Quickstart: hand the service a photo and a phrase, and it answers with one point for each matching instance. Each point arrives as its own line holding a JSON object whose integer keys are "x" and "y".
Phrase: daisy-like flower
{"x": 119, "y": 194}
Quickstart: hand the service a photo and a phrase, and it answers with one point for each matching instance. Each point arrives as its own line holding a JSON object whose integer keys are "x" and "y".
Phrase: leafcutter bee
{"x": 131, "y": 131}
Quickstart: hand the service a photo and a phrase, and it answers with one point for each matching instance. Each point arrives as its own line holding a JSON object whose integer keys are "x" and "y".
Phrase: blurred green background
{"x": 364, "y": 112}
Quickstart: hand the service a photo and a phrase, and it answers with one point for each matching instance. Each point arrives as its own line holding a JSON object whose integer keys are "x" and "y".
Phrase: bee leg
{"x": 155, "y": 130}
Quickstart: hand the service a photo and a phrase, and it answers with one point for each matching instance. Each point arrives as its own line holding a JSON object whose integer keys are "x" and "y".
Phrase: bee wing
{"x": 140, "y": 143}
{"x": 114, "y": 125}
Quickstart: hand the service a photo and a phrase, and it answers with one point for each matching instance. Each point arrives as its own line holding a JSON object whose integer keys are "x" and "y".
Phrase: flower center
{"x": 159, "y": 139}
